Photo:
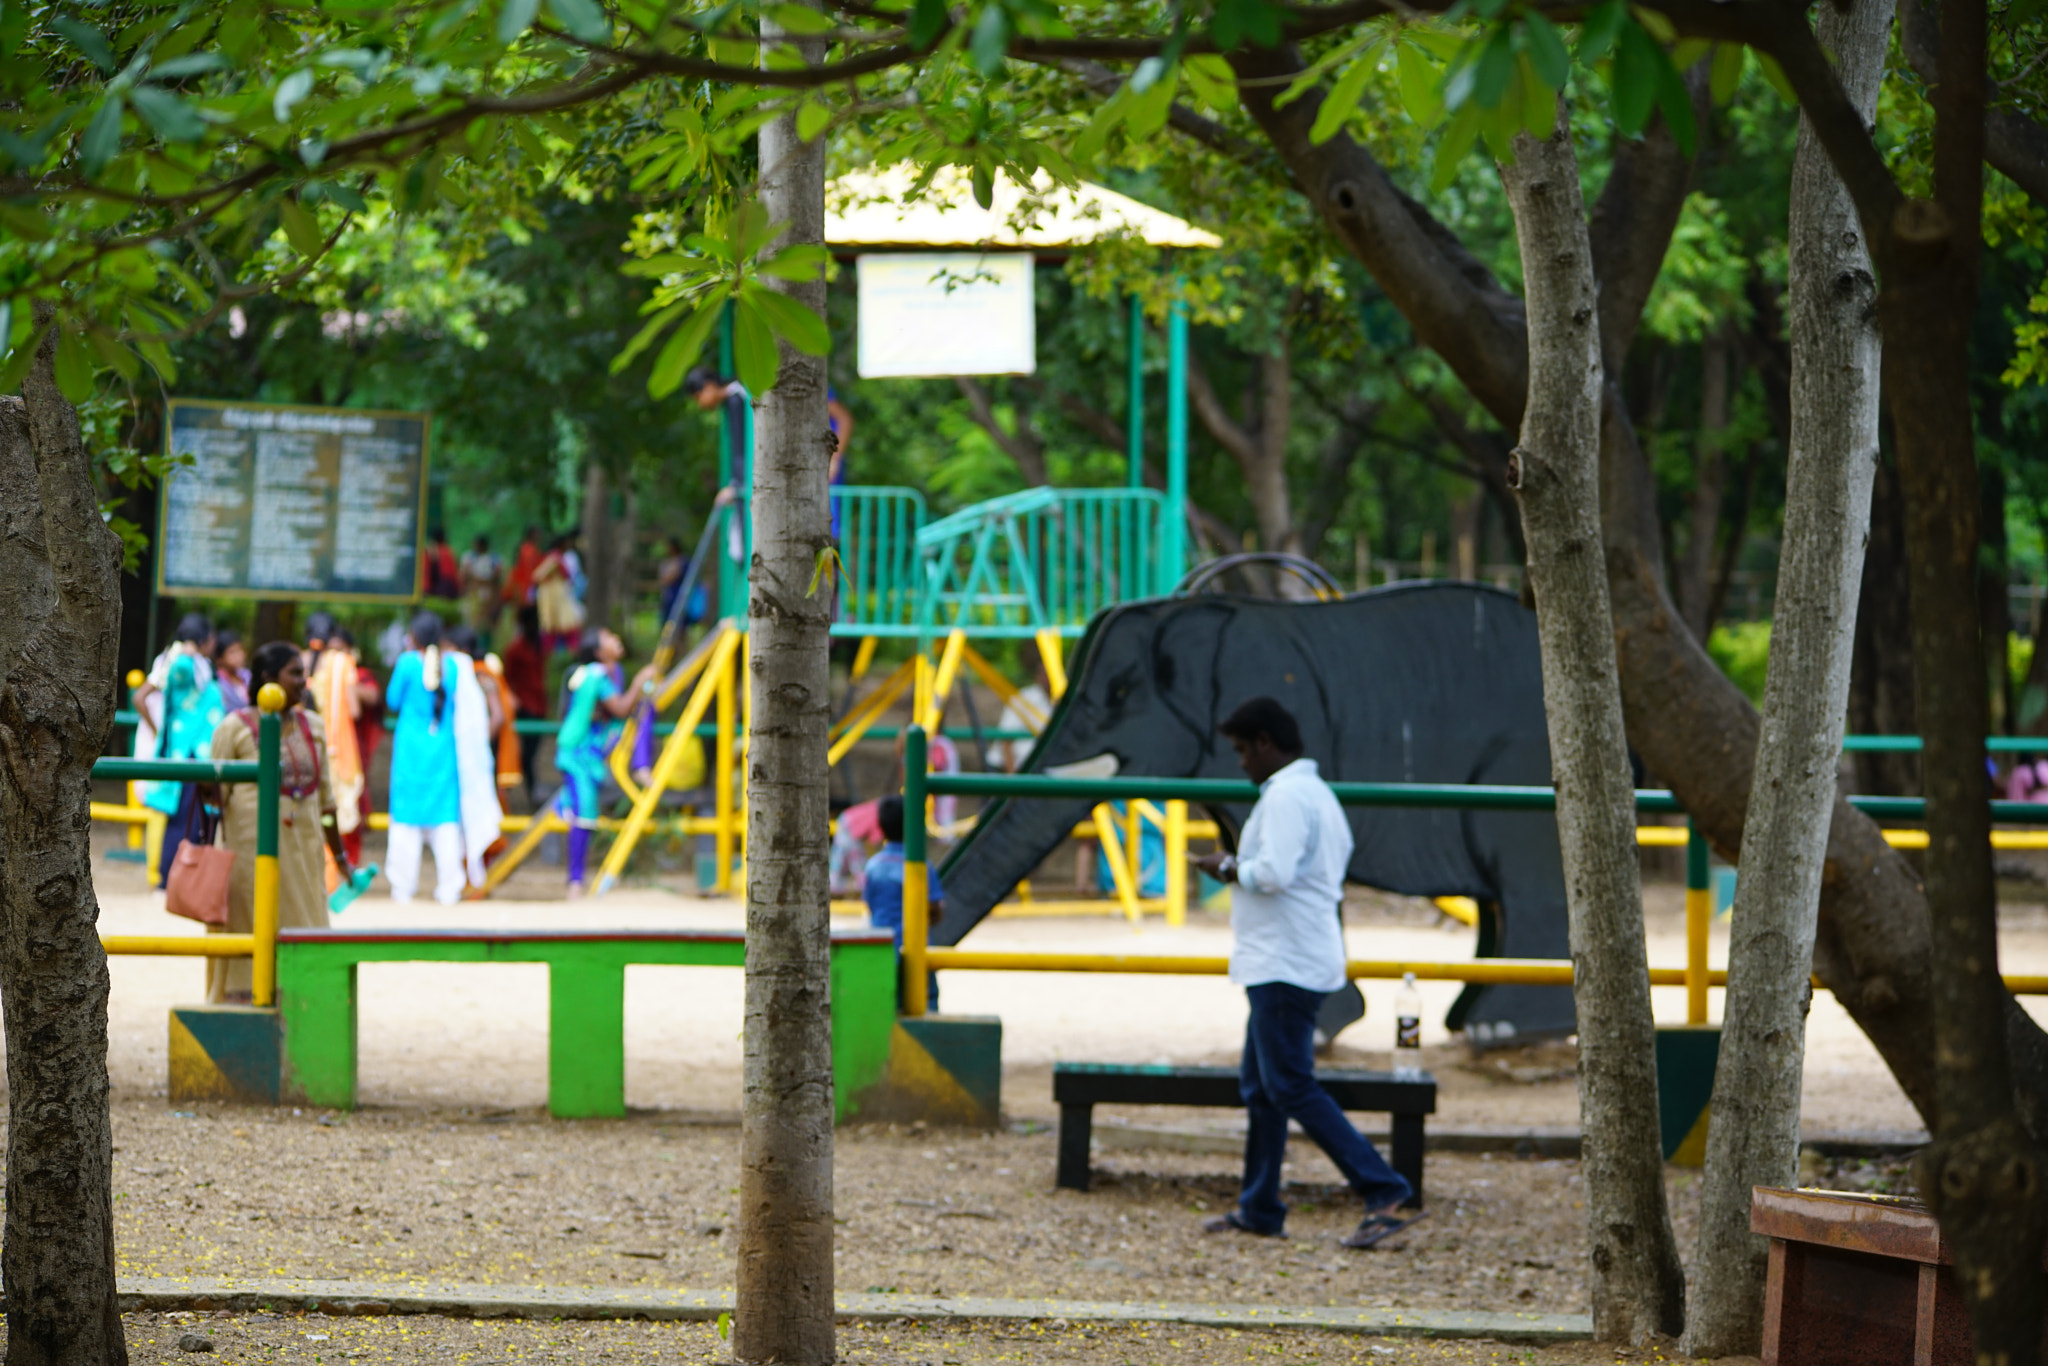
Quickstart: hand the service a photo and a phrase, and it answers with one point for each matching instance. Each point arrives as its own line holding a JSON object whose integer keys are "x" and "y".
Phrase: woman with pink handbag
{"x": 305, "y": 816}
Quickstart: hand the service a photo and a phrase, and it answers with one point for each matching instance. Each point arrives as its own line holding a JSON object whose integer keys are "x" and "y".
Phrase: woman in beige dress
{"x": 305, "y": 816}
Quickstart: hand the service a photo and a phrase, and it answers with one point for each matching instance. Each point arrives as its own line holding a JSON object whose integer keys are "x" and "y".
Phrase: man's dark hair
{"x": 1264, "y": 716}
{"x": 889, "y": 815}
{"x": 694, "y": 382}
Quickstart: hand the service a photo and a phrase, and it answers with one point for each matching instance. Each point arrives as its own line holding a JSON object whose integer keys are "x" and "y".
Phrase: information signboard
{"x": 284, "y": 501}
{"x": 946, "y": 313}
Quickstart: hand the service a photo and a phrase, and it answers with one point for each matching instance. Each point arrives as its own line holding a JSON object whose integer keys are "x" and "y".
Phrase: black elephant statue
{"x": 1411, "y": 683}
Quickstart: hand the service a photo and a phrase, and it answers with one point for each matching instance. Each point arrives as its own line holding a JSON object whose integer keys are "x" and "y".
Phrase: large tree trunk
{"x": 1981, "y": 1173}
{"x": 1691, "y": 726}
{"x": 1881, "y": 684}
{"x": 785, "y": 1256}
{"x": 1638, "y": 1286}
{"x": 1710, "y": 479}
{"x": 1753, "y": 1137}
{"x": 59, "y": 640}
{"x": 608, "y": 545}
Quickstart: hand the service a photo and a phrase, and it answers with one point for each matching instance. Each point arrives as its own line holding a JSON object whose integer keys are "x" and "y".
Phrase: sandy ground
{"x": 474, "y": 1035}
{"x": 319, "y": 1341}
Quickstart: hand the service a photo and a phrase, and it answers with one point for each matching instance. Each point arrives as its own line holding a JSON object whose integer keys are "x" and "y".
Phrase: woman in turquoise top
{"x": 426, "y": 784}
{"x": 590, "y": 727}
{"x": 191, "y": 709}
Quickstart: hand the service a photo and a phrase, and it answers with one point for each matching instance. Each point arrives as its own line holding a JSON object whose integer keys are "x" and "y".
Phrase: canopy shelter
{"x": 993, "y": 569}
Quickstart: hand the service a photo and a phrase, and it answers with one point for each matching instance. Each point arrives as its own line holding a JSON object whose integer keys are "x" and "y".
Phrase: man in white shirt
{"x": 1287, "y": 952}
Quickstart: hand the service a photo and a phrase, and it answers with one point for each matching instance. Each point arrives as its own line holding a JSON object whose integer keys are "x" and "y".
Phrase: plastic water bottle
{"x": 1408, "y": 1030}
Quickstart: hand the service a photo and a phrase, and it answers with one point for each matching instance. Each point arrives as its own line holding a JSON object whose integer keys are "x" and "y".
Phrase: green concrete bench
{"x": 316, "y": 977}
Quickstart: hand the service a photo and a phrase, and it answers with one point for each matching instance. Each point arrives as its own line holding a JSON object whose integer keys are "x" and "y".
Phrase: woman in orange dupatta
{"x": 333, "y": 694}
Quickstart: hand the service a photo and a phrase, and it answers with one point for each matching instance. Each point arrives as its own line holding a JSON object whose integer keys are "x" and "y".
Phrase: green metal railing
{"x": 878, "y": 549}
{"x": 1446, "y": 796}
{"x": 1043, "y": 558}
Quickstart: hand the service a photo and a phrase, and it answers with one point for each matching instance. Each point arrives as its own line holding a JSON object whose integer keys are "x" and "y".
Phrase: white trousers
{"x": 402, "y": 861}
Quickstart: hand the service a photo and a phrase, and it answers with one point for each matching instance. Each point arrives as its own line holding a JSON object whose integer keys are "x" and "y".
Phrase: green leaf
{"x": 173, "y": 119}
{"x": 102, "y": 136}
{"x": 1095, "y": 136}
{"x": 927, "y": 22}
{"x": 301, "y": 229}
{"x": 799, "y": 18}
{"x": 812, "y": 117}
{"x": 1421, "y": 85}
{"x": 1212, "y": 80}
{"x": 1689, "y": 51}
{"x": 19, "y": 360}
{"x": 753, "y": 349}
{"x": 1539, "y": 101}
{"x": 1452, "y": 148}
{"x": 1236, "y": 20}
{"x": 195, "y": 64}
{"x": 1499, "y": 125}
{"x": 86, "y": 39}
{"x": 984, "y": 179}
{"x": 1546, "y": 50}
{"x": 1343, "y": 99}
{"x": 1676, "y": 102}
{"x": 1638, "y": 71}
{"x": 990, "y": 41}
{"x": 724, "y": 1324}
{"x": 159, "y": 357}
{"x": 790, "y": 319}
{"x": 290, "y": 91}
{"x": 1775, "y": 75}
{"x": 582, "y": 18}
{"x": 515, "y": 18}
{"x": 684, "y": 347}
{"x": 1599, "y": 29}
{"x": 115, "y": 354}
{"x": 1150, "y": 107}
{"x": 1725, "y": 76}
{"x": 74, "y": 366}
{"x": 751, "y": 230}
{"x": 801, "y": 263}
{"x": 1495, "y": 66}
{"x": 648, "y": 333}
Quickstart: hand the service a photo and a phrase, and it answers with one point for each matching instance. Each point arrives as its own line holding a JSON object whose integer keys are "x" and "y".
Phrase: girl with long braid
{"x": 426, "y": 788}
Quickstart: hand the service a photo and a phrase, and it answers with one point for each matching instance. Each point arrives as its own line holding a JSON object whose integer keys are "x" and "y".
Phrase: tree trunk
{"x": 785, "y": 1257}
{"x": 1753, "y": 1136}
{"x": 1710, "y": 479}
{"x": 1881, "y": 684}
{"x": 1981, "y": 1174}
{"x": 1993, "y": 604}
{"x": 608, "y": 544}
{"x": 59, "y": 641}
{"x": 1638, "y": 1286}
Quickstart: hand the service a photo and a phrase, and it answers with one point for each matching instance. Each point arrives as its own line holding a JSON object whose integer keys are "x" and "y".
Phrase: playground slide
{"x": 1418, "y": 683}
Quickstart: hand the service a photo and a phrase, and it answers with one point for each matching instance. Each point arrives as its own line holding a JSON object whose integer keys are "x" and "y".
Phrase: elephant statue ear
{"x": 1187, "y": 660}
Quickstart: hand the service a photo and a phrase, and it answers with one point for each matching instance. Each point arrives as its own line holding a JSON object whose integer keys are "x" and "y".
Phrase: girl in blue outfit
{"x": 590, "y": 727}
{"x": 191, "y": 709}
{"x": 426, "y": 784}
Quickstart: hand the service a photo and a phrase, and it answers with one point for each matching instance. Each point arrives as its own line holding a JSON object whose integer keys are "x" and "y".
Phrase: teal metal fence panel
{"x": 1043, "y": 558}
{"x": 879, "y": 528}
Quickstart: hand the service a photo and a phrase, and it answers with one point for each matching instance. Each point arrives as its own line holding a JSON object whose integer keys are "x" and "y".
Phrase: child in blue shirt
{"x": 883, "y": 890}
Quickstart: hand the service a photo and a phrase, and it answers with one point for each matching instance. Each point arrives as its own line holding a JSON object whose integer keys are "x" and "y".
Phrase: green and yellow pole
{"x": 1173, "y": 531}
{"x": 916, "y": 883}
{"x": 1699, "y": 914}
{"x": 1176, "y": 863}
{"x": 263, "y": 992}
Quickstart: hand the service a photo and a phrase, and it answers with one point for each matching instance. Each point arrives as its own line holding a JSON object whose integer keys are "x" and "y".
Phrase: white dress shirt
{"x": 1290, "y": 881}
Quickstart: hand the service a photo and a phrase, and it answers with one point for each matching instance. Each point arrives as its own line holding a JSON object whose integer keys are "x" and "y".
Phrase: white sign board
{"x": 946, "y": 313}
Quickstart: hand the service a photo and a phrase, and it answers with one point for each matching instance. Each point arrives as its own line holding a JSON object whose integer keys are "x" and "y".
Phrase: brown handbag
{"x": 198, "y": 886}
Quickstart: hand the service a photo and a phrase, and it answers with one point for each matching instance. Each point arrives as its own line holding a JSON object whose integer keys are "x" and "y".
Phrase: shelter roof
{"x": 872, "y": 208}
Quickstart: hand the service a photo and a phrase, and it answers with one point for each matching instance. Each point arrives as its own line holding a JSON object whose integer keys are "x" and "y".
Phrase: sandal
{"x": 1233, "y": 1222}
{"x": 1379, "y": 1226}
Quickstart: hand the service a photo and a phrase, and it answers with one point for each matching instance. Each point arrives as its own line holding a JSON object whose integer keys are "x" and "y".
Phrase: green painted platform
{"x": 164, "y": 1295}
{"x": 317, "y": 968}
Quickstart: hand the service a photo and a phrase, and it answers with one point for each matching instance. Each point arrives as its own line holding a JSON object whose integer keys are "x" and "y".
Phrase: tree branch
{"x": 1022, "y": 446}
{"x": 2014, "y": 145}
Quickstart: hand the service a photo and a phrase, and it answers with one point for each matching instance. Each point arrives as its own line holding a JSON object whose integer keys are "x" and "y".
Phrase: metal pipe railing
{"x": 1696, "y": 976}
{"x": 259, "y": 946}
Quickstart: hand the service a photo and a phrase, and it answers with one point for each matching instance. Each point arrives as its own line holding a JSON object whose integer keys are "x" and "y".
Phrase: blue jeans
{"x": 1278, "y": 1083}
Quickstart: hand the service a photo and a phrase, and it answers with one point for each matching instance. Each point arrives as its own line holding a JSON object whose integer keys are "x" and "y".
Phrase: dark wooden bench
{"x": 1078, "y": 1087}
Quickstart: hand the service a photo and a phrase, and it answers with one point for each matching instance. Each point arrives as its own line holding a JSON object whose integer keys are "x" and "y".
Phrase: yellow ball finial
{"x": 270, "y": 697}
{"x": 136, "y": 678}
